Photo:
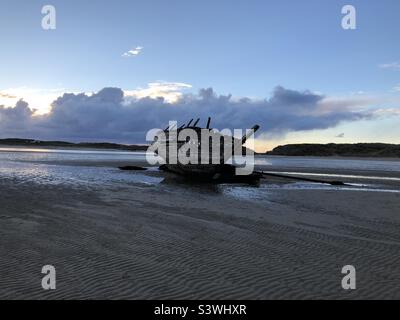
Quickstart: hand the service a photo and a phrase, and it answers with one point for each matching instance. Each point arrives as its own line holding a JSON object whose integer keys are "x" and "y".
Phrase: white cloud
{"x": 386, "y": 112}
{"x": 5, "y": 95}
{"x": 345, "y": 104}
{"x": 39, "y": 100}
{"x": 133, "y": 52}
{"x": 397, "y": 87}
{"x": 171, "y": 92}
{"x": 391, "y": 66}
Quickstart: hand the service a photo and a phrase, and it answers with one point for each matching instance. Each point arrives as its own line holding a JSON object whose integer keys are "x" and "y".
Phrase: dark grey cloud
{"x": 108, "y": 115}
{"x": 15, "y": 120}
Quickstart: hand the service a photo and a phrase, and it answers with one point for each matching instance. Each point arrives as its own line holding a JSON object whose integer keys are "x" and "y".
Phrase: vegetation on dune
{"x": 343, "y": 150}
{"x": 64, "y": 144}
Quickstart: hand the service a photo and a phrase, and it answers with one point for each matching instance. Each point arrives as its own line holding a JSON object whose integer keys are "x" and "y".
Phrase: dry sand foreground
{"x": 173, "y": 241}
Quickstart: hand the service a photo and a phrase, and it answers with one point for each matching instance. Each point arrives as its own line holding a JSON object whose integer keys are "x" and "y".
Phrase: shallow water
{"x": 42, "y": 154}
{"x": 42, "y": 166}
{"x": 329, "y": 163}
{"x": 35, "y": 154}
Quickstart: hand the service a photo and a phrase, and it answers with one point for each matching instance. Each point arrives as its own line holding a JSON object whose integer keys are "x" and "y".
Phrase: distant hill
{"x": 343, "y": 150}
{"x": 63, "y": 144}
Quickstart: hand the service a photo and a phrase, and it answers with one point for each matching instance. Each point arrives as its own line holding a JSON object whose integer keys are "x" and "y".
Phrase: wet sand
{"x": 173, "y": 240}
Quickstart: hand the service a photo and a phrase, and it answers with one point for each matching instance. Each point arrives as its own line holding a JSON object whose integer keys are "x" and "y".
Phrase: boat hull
{"x": 218, "y": 174}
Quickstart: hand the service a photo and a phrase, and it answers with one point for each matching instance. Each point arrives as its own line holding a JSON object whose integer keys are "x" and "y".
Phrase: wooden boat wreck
{"x": 218, "y": 174}
{"x": 216, "y": 170}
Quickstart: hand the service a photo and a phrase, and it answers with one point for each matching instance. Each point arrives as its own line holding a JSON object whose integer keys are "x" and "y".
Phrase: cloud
{"x": 171, "y": 92}
{"x": 391, "y": 66}
{"x": 355, "y": 102}
{"x": 133, "y": 52}
{"x": 39, "y": 99}
{"x": 6, "y": 95}
{"x": 17, "y": 120}
{"x": 341, "y": 135}
{"x": 386, "y": 112}
{"x": 113, "y": 115}
{"x": 396, "y": 88}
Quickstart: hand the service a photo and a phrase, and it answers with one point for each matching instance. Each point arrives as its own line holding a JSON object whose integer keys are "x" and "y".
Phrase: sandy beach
{"x": 136, "y": 235}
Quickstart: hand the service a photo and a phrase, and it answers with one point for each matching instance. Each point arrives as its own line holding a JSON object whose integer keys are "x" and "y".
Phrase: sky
{"x": 111, "y": 70}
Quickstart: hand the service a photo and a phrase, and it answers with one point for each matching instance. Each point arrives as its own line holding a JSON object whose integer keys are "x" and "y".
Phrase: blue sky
{"x": 243, "y": 48}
